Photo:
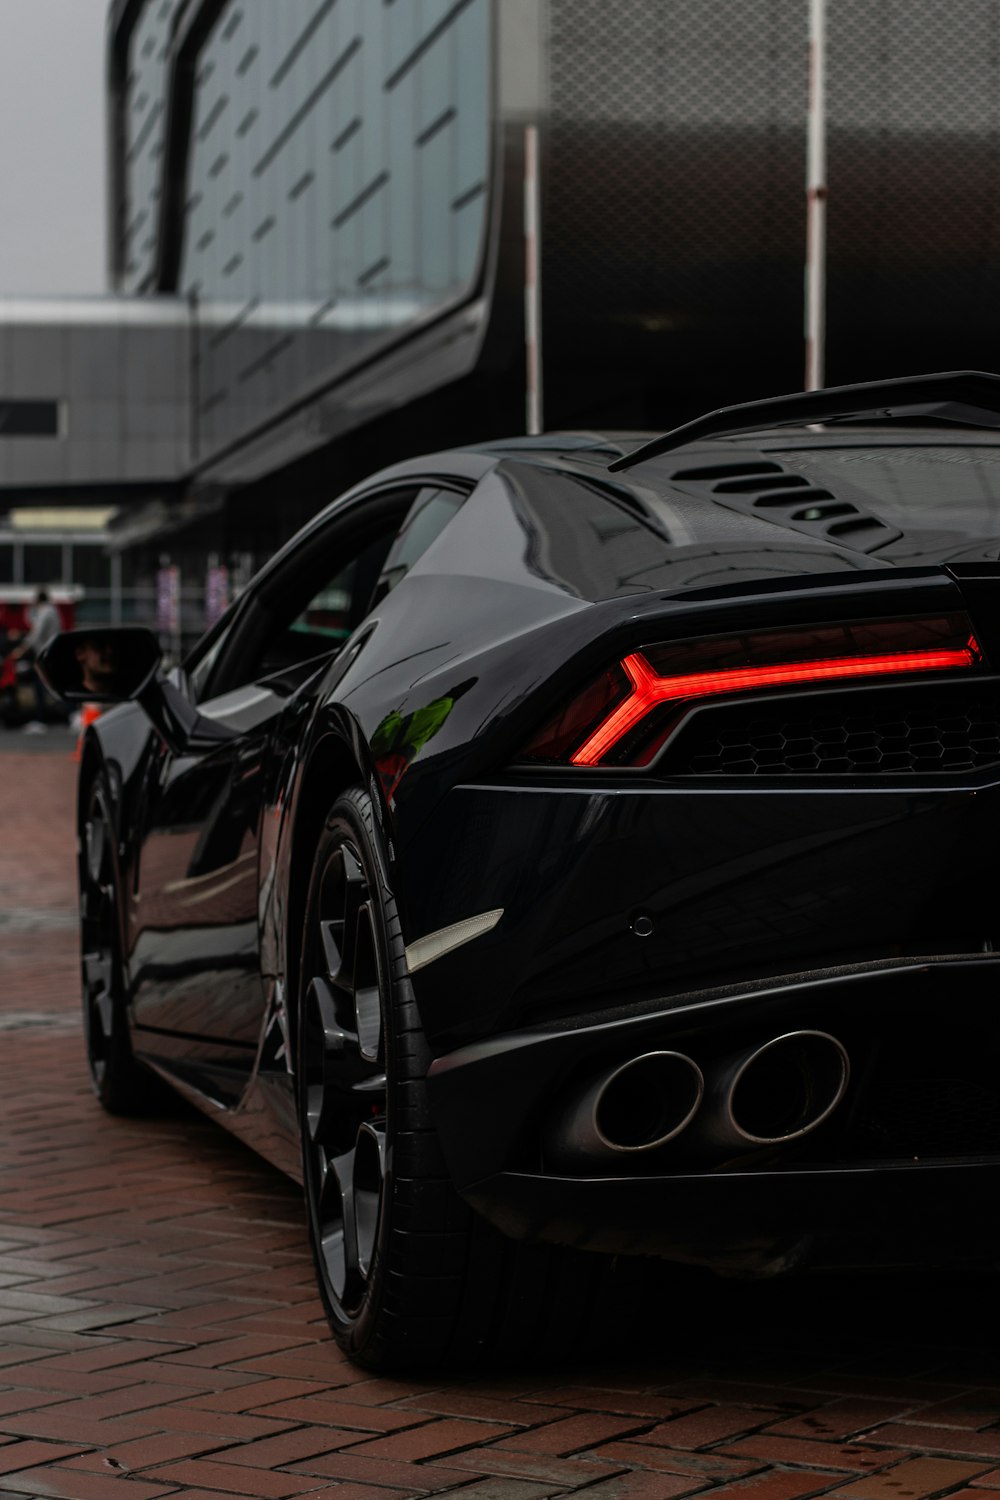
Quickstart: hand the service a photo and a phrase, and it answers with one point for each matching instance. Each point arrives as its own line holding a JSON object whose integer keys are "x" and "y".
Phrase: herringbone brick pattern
{"x": 160, "y": 1335}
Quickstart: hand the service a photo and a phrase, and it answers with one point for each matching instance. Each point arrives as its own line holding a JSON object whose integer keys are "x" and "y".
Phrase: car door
{"x": 198, "y": 1000}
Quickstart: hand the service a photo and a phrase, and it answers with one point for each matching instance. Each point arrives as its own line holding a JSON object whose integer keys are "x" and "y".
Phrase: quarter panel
{"x": 735, "y": 885}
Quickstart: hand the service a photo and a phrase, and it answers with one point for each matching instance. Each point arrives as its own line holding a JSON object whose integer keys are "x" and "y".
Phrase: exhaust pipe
{"x": 633, "y": 1108}
{"x": 775, "y": 1093}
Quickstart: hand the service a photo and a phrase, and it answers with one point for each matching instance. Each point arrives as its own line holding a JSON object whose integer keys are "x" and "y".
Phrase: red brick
{"x": 74, "y": 1426}
{"x": 158, "y": 1448}
{"x": 431, "y": 1440}
{"x": 237, "y": 1480}
{"x": 914, "y": 1479}
{"x": 639, "y": 1485}
{"x": 253, "y": 1394}
{"x": 973, "y": 1409}
{"x": 138, "y": 1396}
{"x": 104, "y": 1356}
{"x": 225, "y": 1424}
{"x": 703, "y": 1466}
{"x": 24, "y": 1455}
{"x": 27, "y": 1400}
{"x": 570, "y": 1472}
{"x": 713, "y": 1424}
{"x": 498, "y": 1488}
{"x": 939, "y": 1439}
{"x": 841, "y": 1419}
{"x": 877, "y": 1386}
{"x": 631, "y": 1404}
{"x": 287, "y": 1449}
{"x": 70, "y": 1484}
{"x": 349, "y": 1465}
{"x": 570, "y": 1434}
{"x": 44, "y": 1375}
{"x": 741, "y": 1393}
{"x": 468, "y": 1404}
{"x": 776, "y": 1485}
{"x": 335, "y": 1413}
{"x": 858, "y": 1457}
{"x": 328, "y": 1492}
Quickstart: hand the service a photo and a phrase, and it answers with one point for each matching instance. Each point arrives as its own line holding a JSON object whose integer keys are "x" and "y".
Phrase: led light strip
{"x": 651, "y": 690}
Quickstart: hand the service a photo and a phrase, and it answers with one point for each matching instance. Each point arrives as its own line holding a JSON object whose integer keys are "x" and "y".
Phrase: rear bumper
{"x": 758, "y": 1224}
{"x": 614, "y": 892}
{"x": 903, "y": 1171}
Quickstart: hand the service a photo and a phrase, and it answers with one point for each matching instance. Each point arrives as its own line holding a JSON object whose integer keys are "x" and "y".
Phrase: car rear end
{"x": 737, "y": 1004}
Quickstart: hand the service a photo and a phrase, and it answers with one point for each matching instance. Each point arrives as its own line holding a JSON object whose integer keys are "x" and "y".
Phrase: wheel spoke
{"x": 339, "y": 929}
{"x": 368, "y": 1181}
{"x": 95, "y": 845}
{"x": 330, "y": 934}
{"x": 324, "y": 1043}
{"x": 103, "y": 1007}
{"x": 338, "y": 1225}
{"x": 342, "y": 1074}
{"x": 367, "y": 999}
{"x": 97, "y": 971}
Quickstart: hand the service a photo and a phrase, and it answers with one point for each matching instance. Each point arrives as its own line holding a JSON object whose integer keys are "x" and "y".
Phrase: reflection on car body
{"x": 565, "y": 847}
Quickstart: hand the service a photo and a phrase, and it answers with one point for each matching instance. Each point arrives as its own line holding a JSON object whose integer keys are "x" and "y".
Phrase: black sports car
{"x": 589, "y": 836}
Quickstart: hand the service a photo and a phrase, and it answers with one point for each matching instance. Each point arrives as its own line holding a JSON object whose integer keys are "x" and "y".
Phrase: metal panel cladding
{"x": 337, "y": 189}
{"x": 144, "y": 124}
{"x": 673, "y": 214}
{"x": 914, "y": 171}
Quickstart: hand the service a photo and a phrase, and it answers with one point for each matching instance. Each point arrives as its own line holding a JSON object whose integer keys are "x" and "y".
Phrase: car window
{"x": 425, "y": 520}
{"x": 309, "y": 607}
{"x": 333, "y": 612}
{"x": 201, "y": 663}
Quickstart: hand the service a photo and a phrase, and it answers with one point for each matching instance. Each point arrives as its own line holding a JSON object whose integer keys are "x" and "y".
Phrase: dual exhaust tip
{"x": 766, "y": 1096}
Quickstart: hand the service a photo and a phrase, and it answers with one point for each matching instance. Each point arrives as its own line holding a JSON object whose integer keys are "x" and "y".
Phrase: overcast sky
{"x": 52, "y": 147}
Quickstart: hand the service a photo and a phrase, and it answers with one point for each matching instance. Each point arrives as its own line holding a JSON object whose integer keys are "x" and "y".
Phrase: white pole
{"x": 532, "y": 283}
{"x": 816, "y": 200}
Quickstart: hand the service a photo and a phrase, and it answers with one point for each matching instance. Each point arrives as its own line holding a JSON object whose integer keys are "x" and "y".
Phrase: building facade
{"x": 317, "y": 217}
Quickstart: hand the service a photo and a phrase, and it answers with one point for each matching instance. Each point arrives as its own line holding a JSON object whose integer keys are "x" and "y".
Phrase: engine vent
{"x": 768, "y": 490}
{"x": 913, "y": 736}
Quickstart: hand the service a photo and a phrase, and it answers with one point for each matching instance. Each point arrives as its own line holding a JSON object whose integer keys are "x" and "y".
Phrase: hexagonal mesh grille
{"x": 944, "y": 1116}
{"x": 939, "y": 734}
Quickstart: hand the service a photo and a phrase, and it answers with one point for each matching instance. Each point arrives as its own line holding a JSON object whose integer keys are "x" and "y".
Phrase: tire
{"x": 410, "y": 1277}
{"x": 122, "y": 1084}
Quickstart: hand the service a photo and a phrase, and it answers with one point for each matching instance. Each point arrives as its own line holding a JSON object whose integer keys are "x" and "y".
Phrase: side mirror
{"x": 103, "y": 665}
{"x": 120, "y": 664}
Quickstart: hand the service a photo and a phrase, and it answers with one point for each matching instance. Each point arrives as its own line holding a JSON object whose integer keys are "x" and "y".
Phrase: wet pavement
{"x": 160, "y": 1334}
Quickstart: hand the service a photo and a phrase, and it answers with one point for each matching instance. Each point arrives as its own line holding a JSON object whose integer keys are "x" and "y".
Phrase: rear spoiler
{"x": 969, "y": 398}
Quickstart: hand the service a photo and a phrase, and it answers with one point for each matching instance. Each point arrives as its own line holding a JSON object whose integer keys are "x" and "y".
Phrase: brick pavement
{"x": 160, "y": 1335}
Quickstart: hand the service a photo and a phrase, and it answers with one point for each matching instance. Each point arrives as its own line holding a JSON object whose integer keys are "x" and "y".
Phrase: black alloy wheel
{"x": 122, "y": 1084}
{"x": 353, "y": 973}
{"x": 409, "y": 1275}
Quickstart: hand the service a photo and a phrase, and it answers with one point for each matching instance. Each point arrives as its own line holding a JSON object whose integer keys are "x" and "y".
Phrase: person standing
{"x": 44, "y": 626}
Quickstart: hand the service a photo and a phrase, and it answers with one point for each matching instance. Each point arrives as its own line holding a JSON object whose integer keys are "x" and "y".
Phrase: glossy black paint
{"x": 838, "y": 902}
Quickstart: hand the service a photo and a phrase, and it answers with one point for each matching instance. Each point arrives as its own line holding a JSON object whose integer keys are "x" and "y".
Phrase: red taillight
{"x": 636, "y": 691}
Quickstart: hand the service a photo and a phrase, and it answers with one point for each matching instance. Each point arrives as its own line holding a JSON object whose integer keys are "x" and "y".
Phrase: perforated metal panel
{"x": 914, "y": 170}
{"x": 673, "y": 213}
{"x": 674, "y": 202}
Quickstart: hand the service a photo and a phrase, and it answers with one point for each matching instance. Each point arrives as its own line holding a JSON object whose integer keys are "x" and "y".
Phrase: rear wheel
{"x": 408, "y": 1274}
{"x": 123, "y": 1085}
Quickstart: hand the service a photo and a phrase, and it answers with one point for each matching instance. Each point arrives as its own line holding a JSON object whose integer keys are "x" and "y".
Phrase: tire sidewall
{"x": 352, "y": 820}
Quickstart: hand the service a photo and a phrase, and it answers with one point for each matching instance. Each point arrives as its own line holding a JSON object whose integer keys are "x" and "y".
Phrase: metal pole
{"x": 532, "y": 283}
{"x": 816, "y": 200}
